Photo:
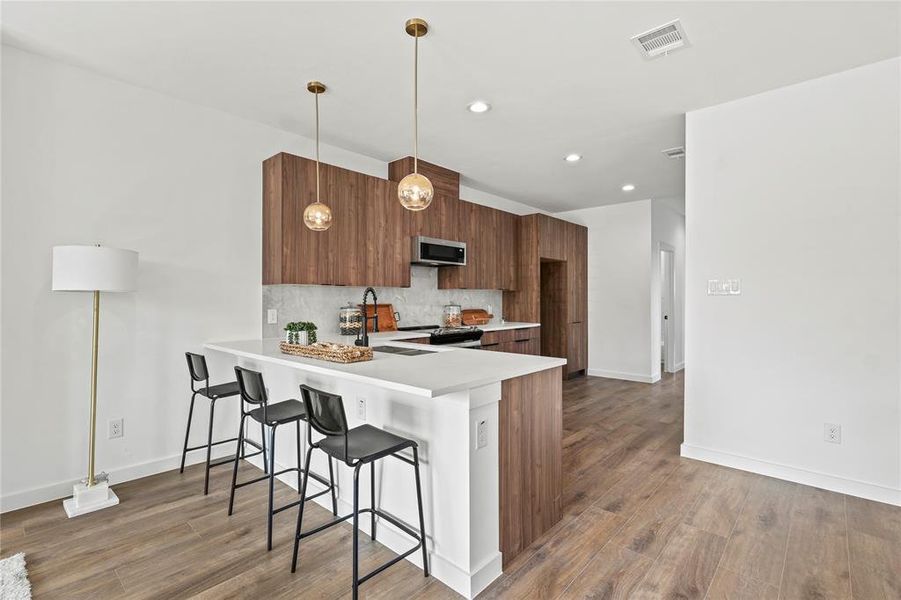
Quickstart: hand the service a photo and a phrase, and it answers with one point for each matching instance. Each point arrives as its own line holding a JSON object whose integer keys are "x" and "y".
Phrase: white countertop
{"x": 443, "y": 371}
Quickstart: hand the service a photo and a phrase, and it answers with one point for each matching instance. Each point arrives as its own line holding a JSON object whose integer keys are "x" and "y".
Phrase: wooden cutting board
{"x": 387, "y": 321}
{"x": 476, "y": 316}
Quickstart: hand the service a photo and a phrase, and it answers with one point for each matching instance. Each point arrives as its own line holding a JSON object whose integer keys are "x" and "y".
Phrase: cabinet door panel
{"x": 577, "y": 266}
{"x": 577, "y": 354}
{"x": 387, "y": 247}
{"x": 506, "y": 250}
{"x": 439, "y": 220}
{"x": 552, "y": 238}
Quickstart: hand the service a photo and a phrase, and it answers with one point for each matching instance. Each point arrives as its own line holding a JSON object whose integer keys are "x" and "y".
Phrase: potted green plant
{"x": 300, "y": 333}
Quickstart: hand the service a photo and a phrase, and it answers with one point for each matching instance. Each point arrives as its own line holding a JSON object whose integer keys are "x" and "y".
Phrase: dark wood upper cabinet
{"x": 440, "y": 220}
{"x": 366, "y": 244}
{"x": 552, "y": 237}
{"x": 507, "y": 249}
{"x": 577, "y": 263}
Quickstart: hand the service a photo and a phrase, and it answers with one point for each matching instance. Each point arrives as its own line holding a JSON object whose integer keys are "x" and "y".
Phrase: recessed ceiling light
{"x": 572, "y": 157}
{"x": 479, "y": 106}
{"x": 628, "y": 187}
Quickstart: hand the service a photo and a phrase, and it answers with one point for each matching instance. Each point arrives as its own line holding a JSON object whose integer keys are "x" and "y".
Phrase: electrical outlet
{"x": 272, "y": 316}
{"x": 481, "y": 434}
{"x": 832, "y": 433}
{"x": 116, "y": 428}
{"x": 361, "y": 408}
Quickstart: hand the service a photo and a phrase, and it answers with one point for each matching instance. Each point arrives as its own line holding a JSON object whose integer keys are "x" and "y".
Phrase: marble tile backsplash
{"x": 419, "y": 304}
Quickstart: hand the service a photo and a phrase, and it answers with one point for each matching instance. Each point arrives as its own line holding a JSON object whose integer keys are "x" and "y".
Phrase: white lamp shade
{"x": 94, "y": 268}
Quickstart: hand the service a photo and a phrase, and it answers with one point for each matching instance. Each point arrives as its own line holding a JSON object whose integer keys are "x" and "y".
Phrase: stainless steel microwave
{"x": 435, "y": 252}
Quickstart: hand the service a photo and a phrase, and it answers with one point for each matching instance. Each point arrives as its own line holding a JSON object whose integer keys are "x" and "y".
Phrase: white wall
{"x": 796, "y": 192}
{"x": 667, "y": 228}
{"x": 619, "y": 289}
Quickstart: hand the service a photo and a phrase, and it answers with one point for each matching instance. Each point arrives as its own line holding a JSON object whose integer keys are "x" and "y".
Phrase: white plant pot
{"x": 301, "y": 338}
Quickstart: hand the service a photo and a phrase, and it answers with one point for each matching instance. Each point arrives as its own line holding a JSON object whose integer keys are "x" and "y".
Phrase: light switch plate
{"x": 724, "y": 287}
{"x": 482, "y": 434}
{"x": 272, "y": 316}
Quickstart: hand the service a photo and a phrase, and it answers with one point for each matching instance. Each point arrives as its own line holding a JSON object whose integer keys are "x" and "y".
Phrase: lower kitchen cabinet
{"x": 515, "y": 341}
{"x": 577, "y": 348}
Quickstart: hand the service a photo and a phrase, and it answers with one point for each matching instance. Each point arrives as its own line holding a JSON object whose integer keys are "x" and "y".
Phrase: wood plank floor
{"x": 639, "y": 522}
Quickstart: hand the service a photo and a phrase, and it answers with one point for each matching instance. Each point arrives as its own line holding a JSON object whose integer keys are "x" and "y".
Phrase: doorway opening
{"x": 553, "y": 308}
{"x": 667, "y": 306}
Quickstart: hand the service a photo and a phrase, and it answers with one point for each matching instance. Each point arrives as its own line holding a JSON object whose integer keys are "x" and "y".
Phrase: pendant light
{"x": 317, "y": 216}
{"x": 415, "y": 191}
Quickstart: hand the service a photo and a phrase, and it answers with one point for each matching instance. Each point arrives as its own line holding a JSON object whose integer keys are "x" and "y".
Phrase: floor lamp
{"x": 93, "y": 269}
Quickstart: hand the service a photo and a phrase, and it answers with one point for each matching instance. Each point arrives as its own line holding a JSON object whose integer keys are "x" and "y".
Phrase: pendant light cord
{"x": 416, "y": 103}
{"x": 317, "y": 146}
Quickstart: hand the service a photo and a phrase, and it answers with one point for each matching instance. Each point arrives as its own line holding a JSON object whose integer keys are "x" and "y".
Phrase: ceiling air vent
{"x": 661, "y": 40}
{"x": 677, "y": 152}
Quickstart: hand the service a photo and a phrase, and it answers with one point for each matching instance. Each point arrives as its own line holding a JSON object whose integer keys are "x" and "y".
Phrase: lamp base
{"x": 88, "y": 499}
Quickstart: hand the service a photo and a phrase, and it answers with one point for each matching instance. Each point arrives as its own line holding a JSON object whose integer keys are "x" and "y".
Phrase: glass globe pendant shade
{"x": 415, "y": 191}
{"x": 317, "y": 216}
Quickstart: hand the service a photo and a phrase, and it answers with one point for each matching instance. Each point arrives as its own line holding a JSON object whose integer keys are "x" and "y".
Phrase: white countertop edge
{"x": 391, "y": 336}
{"x": 511, "y": 373}
{"x": 508, "y": 325}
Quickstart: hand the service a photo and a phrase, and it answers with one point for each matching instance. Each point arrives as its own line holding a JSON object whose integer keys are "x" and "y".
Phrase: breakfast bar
{"x": 489, "y": 429}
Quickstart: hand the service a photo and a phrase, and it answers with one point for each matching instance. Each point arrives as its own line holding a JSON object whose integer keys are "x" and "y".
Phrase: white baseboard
{"x": 639, "y": 377}
{"x": 679, "y": 367}
{"x": 852, "y": 487}
{"x": 63, "y": 489}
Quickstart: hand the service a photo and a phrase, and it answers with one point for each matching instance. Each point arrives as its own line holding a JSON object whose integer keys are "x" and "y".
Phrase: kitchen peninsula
{"x": 489, "y": 428}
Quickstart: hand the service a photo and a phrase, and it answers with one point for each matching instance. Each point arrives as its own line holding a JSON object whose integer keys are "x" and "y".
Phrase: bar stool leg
{"x": 425, "y": 554}
{"x": 271, "y": 483}
{"x": 242, "y": 448}
{"x": 209, "y": 449}
{"x": 263, "y": 444}
{"x": 303, "y": 493}
{"x": 331, "y": 479}
{"x": 184, "y": 452}
{"x": 372, "y": 499}
{"x": 231, "y": 496}
{"x": 299, "y": 466}
{"x": 356, "y": 551}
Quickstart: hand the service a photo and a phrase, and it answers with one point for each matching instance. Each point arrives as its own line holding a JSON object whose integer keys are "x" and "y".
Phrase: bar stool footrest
{"x": 203, "y": 447}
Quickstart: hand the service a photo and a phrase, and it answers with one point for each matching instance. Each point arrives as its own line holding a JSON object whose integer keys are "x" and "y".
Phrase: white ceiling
{"x": 561, "y": 77}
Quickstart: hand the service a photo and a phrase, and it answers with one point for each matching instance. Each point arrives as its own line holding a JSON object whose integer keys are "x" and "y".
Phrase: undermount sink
{"x": 401, "y": 351}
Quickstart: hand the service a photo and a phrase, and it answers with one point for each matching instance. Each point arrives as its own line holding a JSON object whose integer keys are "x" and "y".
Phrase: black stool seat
{"x": 365, "y": 443}
{"x": 279, "y": 413}
{"x": 223, "y": 390}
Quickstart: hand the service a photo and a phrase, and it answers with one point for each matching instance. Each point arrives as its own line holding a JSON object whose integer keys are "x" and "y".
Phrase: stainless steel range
{"x": 461, "y": 337}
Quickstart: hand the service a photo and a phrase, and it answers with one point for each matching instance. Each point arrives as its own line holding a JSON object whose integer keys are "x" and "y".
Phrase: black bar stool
{"x": 356, "y": 447}
{"x": 198, "y": 370}
{"x": 253, "y": 391}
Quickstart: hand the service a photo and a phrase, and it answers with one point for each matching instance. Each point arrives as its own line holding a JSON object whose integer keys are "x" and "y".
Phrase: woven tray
{"x": 339, "y": 353}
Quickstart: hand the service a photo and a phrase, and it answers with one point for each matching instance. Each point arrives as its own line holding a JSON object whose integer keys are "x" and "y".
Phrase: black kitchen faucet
{"x": 363, "y": 337}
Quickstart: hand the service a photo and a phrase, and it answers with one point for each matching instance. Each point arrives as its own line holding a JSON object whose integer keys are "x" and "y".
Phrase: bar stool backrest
{"x": 325, "y": 413}
{"x": 197, "y": 368}
{"x": 253, "y": 390}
